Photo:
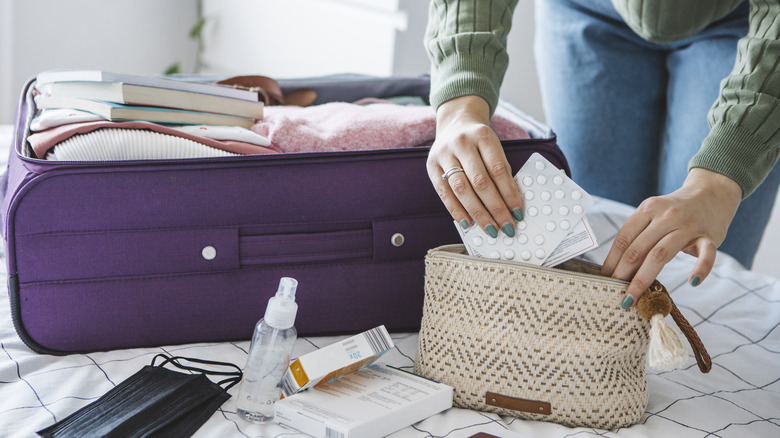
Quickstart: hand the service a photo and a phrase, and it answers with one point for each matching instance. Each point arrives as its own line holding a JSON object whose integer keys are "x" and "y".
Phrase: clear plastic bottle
{"x": 269, "y": 355}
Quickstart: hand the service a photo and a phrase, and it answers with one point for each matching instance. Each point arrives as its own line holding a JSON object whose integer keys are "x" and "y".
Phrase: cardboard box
{"x": 372, "y": 402}
{"x": 336, "y": 360}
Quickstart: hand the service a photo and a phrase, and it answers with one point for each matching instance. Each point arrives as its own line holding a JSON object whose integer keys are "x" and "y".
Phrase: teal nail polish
{"x": 464, "y": 223}
{"x": 695, "y": 280}
{"x": 518, "y": 214}
{"x": 492, "y": 231}
{"x": 508, "y": 229}
{"x": 627, "y": 302}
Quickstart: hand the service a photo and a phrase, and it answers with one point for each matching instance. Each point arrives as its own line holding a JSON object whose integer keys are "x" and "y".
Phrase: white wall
{"x": 299, "y": 38}
{"x": 133, "y": 36}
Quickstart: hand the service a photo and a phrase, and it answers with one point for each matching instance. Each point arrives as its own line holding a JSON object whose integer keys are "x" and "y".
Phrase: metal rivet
{"x": 397, "y": 239}
{"x": 209, "y": 252}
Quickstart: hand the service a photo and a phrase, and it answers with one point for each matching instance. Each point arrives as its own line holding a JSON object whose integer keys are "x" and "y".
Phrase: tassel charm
{"x": 667, "y": 350}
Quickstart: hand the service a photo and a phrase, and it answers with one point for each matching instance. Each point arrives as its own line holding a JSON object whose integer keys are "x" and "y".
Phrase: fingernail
{"x": 464, "y": 223}
{"x": 627, "y": 302}
{"x": 508, "y": 229}
{"x": 492, "y": 231}
{"x": 695, "y": 280}
{"x": 518, "y": 214}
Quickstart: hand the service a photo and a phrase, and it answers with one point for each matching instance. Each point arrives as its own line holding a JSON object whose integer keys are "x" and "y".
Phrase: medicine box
{"x": 372, "y": 402}
{"x": 336, "y": 360}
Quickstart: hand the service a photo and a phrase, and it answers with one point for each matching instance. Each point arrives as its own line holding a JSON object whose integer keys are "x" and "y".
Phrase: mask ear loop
{"x": 235, "y": 376}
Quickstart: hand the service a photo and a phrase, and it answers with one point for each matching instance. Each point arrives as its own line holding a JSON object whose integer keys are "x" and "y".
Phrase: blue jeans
{"x": 630, "y": 114}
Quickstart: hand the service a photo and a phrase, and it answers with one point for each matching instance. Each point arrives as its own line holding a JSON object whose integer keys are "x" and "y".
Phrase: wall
{"x": 133, "y": 36}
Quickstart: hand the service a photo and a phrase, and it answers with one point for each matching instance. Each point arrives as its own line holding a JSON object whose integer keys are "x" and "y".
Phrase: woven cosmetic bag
{"x": 532, "y": 342}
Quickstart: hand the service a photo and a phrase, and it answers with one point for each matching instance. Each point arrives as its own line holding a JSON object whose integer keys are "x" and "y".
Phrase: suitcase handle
{"x": 331, "y": 246}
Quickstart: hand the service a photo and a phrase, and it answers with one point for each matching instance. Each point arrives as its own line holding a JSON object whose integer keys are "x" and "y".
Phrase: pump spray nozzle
{"x": 282, "y": 308}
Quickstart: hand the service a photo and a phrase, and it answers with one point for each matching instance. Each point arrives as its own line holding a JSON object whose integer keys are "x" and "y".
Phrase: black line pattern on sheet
{"x": 19, "y": 375}
{"x": 101, "y": 369}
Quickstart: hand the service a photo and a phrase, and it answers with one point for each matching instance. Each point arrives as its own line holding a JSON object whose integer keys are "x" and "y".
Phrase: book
{"x": 130, "y": 94}
{"x": 372, "y": 402}
{"x": 119, "y": 112}
{"x": 53, "y": 76}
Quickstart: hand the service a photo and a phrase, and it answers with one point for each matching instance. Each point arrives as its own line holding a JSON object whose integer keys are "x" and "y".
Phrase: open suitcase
{"x": 106, "y": 255}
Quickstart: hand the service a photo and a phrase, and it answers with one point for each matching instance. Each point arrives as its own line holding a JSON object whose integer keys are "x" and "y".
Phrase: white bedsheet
{"x": 736, "y": 313}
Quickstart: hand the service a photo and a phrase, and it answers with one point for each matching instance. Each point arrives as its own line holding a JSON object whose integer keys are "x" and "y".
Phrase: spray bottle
{"x": 269, "y": 355}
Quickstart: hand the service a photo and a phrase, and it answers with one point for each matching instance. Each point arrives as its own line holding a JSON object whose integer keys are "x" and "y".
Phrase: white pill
{"x": 508, "y": 240}
{"x": 550, "y": 226}
{"x": 545, "y": 196}
{"x": 565, "y": 224}
{"x": 540, "y": 254}
{"x": 539, "y": 239}
{"x": 532, "y": 211}
{"x": 522, "y": 239}
{"x": 477, "y": 241}
{"x": 539, "y": 165}
{"x": 541, "y": 179}
{"x": 509, "y": 254}
{"x": 528, "y": 195}
{"x": 563, "y": 210}
{"x": 491, "y": 240}
{"x": 546, "y": 210}
{"x": 577, "y": 209}
{"x": 559, "y": 194}
{"x": 576, "y": 195}
{"x": 558, "y": 180}
{"x": 522, "y": 225}
{"x": 528, "y": 181}
{"x": 495, "y": 255}
{"x": 525, "y": 255}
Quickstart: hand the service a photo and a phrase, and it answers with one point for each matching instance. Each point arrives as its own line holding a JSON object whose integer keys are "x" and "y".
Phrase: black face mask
{"x": 154, "y": 402}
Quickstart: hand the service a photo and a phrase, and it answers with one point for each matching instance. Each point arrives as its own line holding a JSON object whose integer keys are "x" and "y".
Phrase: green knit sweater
{"x": 466, "y": 41}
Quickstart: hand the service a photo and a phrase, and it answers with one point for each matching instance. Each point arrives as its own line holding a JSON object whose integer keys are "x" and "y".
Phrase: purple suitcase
{"x": 109, "y": 255}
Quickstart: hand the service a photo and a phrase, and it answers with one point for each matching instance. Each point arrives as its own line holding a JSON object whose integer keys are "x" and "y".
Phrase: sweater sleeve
{"x": 744, "y": 138}
{"x": 466, "y": 43}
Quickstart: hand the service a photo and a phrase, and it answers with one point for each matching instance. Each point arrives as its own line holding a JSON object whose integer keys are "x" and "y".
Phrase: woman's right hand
{"x": 485, "y": 190}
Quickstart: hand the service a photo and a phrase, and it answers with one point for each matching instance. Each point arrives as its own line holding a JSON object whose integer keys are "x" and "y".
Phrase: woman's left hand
{"x": 693, "y": 219}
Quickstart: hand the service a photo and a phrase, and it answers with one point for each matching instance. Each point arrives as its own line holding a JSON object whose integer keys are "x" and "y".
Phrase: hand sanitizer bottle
{"x": 269, "y": 356}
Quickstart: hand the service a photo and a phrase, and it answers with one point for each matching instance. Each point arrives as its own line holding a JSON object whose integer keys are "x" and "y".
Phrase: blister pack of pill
{"x": 554, "y": 214}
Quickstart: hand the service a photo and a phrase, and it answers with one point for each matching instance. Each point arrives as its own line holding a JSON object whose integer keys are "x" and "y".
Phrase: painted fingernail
{"x": 518, "y": 214}
{"x": 695, "y": 280}
{"x": 627, "y": 302}
{"x": 492, "y": 231}
{"x": 464, "y": 223}
{"x": 508, "y": 229}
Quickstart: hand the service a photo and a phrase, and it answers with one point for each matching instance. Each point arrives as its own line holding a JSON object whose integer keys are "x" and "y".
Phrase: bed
{"x": 736, "y": 312}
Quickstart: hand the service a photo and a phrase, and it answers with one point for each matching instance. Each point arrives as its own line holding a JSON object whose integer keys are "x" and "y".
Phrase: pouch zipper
{"x": 443, "y": 253}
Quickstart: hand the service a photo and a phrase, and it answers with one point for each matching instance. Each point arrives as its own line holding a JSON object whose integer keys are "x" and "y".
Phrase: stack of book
{"x": 120, "y": 97}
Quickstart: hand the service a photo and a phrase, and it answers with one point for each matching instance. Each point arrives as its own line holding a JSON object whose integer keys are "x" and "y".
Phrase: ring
{"x": 451, "y": 171}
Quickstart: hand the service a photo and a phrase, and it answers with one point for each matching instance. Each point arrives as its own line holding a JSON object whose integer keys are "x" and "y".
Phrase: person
{"x": 628, "y": 86}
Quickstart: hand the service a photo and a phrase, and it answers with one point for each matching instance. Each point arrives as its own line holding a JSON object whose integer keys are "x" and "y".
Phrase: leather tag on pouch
{"x": 518, "y": 404}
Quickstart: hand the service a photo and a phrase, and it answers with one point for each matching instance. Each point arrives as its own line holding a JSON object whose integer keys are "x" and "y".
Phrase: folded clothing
{"x": 138, "y": 142}
{"x": 341, "y": 126}
{"x": 337, "y": 126}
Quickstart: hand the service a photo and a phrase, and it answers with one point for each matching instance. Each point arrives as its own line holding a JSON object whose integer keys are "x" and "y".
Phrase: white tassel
{"x": 667, "y": 350}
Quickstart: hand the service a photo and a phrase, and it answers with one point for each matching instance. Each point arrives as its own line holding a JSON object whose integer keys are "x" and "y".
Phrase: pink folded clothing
{"x": 44, "y": 141}
{"x": 341, "y": 126}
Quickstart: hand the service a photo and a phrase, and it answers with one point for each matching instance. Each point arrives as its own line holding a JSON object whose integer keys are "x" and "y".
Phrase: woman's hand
{"x": 693, "y": 219}
{"x": 485, "y": 189}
